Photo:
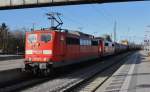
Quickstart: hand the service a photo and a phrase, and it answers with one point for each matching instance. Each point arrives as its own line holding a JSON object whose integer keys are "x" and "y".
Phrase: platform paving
{"x": 133, "y": 76}
{"x": 10, "y": 64}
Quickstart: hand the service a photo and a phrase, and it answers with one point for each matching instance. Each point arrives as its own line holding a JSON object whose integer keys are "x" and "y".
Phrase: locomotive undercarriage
{"x": 38, "y": 68}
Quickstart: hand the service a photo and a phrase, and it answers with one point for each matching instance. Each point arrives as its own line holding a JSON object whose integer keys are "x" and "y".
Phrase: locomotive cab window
{"x": 106, "y": 44}
{"x": 32, "y": 38}
{"x": 46, "y": 37}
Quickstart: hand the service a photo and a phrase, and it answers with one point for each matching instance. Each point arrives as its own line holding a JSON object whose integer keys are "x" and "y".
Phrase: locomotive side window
{"x": 46, "y": 37}
{"x": 106, "y": 44}
{"x": 32, "y": 38}
{"x": 81, "y": 42}
{"x": 94, "y": 43}
{"x": 85, "y": 42}
{"x": 72, "y": 41}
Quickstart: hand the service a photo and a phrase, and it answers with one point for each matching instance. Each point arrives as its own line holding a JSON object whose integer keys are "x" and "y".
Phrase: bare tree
{"x": 4, "y": 36}
{"x": 12, "y": 41}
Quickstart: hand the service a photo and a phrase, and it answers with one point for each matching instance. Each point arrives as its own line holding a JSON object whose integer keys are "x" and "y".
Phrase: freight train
{"x": 48, "y": 48}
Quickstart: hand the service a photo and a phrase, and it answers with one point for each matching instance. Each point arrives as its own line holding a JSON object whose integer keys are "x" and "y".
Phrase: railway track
{"x": 93, "y": 80}
{"x": 66, "y": 82}
{"x": 91, "y": 84}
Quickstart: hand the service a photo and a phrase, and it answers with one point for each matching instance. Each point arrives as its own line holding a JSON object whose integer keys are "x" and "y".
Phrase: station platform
{"x": 133, "y": 76}
{"x": 10, "y": 57}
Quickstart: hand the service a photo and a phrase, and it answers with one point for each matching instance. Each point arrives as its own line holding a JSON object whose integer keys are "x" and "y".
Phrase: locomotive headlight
{"x": 29, "y": 52}
{"x": 30, "y": 59}
{"x": 45, "y": 59}
{"x": 47, "y": 51}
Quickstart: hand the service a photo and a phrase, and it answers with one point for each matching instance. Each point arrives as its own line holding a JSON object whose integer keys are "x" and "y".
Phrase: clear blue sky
{"x": 132, "y": 18}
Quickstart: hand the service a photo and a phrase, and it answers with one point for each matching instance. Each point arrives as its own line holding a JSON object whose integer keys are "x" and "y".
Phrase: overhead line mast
{"x": 115, "y": 34}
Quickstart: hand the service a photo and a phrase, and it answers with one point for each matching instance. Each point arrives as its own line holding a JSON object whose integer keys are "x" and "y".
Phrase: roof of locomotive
{"x": 101, "y": 38}
{"x": 42, "y": 30}
{"x": 81, "y": 34}
{"x": 77, "y": 33}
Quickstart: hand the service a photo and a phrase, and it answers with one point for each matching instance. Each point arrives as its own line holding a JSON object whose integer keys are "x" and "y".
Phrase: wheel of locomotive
{"x": 46, "y": 72}
{"x": 24, "y": 68}
{"x": 35, "y": 71}
{"x": 21, "y": 70}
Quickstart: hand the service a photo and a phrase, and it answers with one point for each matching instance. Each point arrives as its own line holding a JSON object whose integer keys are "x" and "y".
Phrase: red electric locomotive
{"x": 49, "y": 48}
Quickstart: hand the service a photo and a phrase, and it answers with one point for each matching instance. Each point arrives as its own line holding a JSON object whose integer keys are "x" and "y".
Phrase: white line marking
{"x": 127, "y": 81}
